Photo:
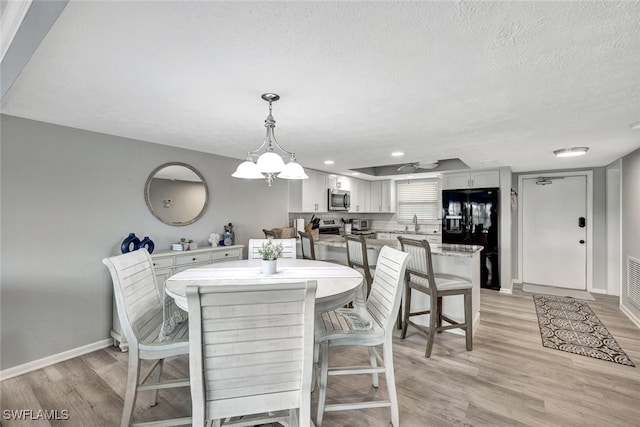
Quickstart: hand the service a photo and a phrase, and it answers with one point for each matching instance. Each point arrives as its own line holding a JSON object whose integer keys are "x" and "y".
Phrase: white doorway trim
{"x": 589, "y": 177}
{"x": 614, "y": 229}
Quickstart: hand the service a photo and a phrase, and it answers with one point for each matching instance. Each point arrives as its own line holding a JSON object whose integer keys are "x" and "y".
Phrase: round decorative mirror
{"x": 176, "y": 194}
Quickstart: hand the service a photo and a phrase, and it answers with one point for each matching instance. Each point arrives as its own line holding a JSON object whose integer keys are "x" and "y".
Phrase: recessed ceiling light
{"x": 571, "y": 152}
{"x": 397, "y": 154}
{"x": 329, "y": 162}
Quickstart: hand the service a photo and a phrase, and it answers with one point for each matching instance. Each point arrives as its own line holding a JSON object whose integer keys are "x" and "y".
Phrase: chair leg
{"x": 433, "y": 321}
{"x": 156, "y": 379}
{"x": 314, "y": 370}
{"x": 391, "y": 382}
{"x": 468, "y": 320}
{"x": 322, "y": 386}
{"x": 293, "y": 418}
{"x": 374, "y": 363}
{"x": 439, "y": 299}
{"x": 407, "y": 311}
{"x": 133, "y": 376}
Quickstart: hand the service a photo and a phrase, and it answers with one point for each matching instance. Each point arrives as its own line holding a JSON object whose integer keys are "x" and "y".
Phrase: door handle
{"x": 582, "y": 242}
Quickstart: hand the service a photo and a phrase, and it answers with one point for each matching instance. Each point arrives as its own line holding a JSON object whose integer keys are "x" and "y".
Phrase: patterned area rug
{"x": 570, "y": 325}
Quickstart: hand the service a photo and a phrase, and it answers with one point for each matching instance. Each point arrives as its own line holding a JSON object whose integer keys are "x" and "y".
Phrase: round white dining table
{"x": 337, "y": 284}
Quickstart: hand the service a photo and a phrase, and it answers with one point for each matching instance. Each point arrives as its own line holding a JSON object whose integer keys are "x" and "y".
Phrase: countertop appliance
{"x": 329, "y": 226}
{"x": 339, "y": 200}
{"x": 470, "y": 217}
{"x": 360, "y": 224}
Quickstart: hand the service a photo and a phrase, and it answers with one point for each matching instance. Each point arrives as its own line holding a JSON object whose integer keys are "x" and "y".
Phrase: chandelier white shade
{"x": 269, "y": 162}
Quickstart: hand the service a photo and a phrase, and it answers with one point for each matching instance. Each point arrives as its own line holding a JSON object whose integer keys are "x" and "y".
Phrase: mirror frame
{"x": 148, "y": 199}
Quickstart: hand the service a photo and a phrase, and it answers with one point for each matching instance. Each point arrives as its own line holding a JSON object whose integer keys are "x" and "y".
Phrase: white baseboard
{"x": 506, "y": 291}
{"x": 53, "y": 359}
{"x": 599, "y": 291}
{"x": 630, "y": 315}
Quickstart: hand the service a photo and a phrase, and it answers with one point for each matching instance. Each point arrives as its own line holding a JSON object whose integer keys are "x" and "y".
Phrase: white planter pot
{"x": 269, "y": 266}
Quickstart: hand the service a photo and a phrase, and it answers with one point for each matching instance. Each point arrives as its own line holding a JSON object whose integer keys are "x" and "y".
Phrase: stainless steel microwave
{"x": 339, "y": 200}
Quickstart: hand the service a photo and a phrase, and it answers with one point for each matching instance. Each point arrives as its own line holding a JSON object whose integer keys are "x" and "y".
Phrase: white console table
{"x": 168, "y": 263}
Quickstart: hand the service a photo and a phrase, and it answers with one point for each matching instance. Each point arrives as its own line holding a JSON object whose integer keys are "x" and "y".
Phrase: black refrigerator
{"x": 470, "y": 217}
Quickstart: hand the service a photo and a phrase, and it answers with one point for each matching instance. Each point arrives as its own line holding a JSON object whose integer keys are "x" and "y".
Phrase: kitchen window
{"x": 419, "y": 198}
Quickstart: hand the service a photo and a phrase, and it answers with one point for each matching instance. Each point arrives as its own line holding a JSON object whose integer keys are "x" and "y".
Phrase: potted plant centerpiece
{"x": 270, "y": 252}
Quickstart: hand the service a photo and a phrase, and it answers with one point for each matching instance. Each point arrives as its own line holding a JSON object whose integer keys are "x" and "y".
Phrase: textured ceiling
{"x": 491, "y": 83}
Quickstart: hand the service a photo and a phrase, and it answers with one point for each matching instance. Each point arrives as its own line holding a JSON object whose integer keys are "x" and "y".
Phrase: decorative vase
{"x": 146, "y": 243}
{"x": 130, "y": 243}
{"x": 269, "y": 266}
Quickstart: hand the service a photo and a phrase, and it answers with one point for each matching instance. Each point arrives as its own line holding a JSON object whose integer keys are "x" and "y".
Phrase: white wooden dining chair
{"x": 251, "y": 352}
{"x": 420, "y": 277}
{"x": 288, "y": 248}
{"x": 139, "y": 306}
{"x": 369, "y": 326}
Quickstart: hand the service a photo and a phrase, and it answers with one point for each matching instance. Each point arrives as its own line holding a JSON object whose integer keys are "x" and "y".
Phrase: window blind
{"x": 419, "y": 198}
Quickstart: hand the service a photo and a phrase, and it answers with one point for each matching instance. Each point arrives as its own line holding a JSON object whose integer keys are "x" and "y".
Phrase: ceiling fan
{"x": 413, "y": 167}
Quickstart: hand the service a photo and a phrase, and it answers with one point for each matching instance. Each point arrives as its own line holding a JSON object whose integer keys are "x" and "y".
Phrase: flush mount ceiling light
{"x": 269, "y": 163}
{"x": 571, "y": 152}
{"x": 397, "y": 154}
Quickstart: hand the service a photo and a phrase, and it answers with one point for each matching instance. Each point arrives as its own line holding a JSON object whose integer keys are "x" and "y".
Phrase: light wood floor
{"x": 509, "y": 379}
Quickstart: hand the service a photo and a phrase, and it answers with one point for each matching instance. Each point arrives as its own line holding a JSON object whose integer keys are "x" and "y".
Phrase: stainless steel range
{"x": 329, "y": 226}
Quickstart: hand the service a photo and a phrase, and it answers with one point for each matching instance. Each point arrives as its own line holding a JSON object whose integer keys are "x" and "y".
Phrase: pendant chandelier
{"x": 269, "y": 162}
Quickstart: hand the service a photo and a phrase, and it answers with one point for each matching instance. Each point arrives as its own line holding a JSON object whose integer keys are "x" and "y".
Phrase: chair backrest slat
{"x": 251, "y": 347}
{"x": 384, "y": 300}
{"x": 288, "y": 248}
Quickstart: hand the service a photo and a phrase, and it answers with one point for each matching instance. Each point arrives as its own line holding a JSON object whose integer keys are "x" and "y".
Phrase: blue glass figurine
{"x": 130, "y": 243}
{"x": 146, "y": 243}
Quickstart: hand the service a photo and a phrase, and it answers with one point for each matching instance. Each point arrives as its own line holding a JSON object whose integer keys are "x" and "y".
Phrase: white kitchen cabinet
{"x": 382, "y": 196}
{"x": 477, "y": 179}
{"x": 360, "y": 195}
{"x": 338, "y": 182}
{"x": 168, "y": 263}
{"x": 309, "y": 195}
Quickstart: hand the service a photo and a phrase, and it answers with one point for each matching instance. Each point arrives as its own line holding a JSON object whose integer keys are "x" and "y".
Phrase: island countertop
{"x": 444, "y": 249}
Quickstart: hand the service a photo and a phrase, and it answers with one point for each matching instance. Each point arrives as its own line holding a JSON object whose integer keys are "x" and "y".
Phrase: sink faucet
{"x": 415, "y": 221}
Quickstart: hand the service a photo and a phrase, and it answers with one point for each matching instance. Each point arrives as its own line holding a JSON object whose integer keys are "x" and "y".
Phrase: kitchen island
{"x": 459, "y": 260}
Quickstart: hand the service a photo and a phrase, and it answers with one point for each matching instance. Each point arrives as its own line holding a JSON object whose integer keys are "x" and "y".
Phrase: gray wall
{"x": 630, "y": 222}
{"x": 599, "y": 226}
{"x": 69, "y": 197}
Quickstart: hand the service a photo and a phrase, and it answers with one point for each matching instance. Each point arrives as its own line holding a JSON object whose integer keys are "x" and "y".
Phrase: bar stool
{"x": 357, "y": 257}
{"x": 306, "y": 243}
{"x": 420, "y": 277}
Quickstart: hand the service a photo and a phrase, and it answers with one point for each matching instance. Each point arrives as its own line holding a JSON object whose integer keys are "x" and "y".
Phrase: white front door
{"x": 554, "y": 249}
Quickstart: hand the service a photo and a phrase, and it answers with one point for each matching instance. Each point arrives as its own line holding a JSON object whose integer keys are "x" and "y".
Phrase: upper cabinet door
{"x": 309, "y": 195}
{"x": 382, "y": 199}
{"x": 375, "y": 203}
{"x": 479, "y": 179}
{"x": 360, "y": 195}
